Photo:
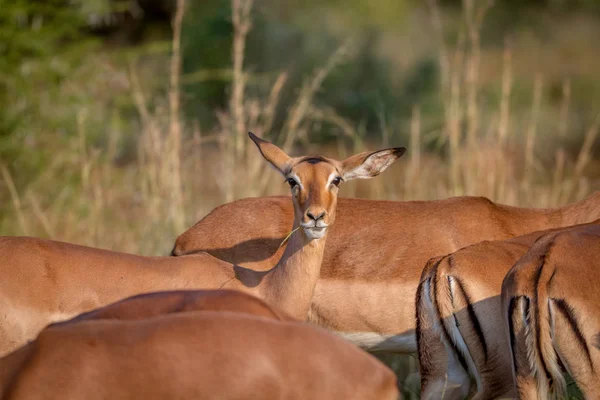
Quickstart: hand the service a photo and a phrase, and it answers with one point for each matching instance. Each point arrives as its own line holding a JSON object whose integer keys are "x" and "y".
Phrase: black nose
{"x": 318, "y": 217}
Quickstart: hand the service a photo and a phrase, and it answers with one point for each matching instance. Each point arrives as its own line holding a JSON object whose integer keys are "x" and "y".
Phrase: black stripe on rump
{"x": 472, "y": 317}
{"x": 569, "y": 313}
{"x": 536, "y": 307}
{"x": 447, "y": 336}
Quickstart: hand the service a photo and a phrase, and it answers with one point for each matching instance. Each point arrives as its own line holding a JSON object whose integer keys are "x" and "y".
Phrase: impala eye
{"x": 292, "y": 182}
{"x": 336, "y": 181}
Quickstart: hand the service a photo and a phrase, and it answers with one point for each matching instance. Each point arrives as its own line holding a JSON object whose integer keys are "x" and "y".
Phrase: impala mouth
{"x": 314, "y": 231}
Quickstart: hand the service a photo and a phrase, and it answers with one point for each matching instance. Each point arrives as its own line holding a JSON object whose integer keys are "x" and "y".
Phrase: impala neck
{"x": 290, "y": 284}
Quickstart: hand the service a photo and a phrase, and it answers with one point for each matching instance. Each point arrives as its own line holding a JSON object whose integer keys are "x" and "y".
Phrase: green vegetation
{"x": 110, "y": 136}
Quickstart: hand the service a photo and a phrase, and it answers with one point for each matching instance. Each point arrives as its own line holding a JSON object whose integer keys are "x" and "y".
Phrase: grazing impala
{"x": 191, "y": 345}
{"x": 375, "y": 254}
{"x": 45, "y": 281}
{"x": 460, "y": 325}
{"x": 551, "y": 304}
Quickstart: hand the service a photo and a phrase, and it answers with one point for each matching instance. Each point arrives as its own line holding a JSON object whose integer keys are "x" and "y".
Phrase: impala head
{"x": 314, "y": 181}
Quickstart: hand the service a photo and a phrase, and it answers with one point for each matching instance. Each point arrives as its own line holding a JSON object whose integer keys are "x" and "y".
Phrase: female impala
{"x": 191, "y": 345}
{"x": 551, "y": 306}
{"x": 375, "y": 254}
{"x": 45, "y": 281}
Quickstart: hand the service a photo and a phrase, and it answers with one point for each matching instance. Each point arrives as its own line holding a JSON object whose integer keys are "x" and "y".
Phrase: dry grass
{"x": 181, "y": 172}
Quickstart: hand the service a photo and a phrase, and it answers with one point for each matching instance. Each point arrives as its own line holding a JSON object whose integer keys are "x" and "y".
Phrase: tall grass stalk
{"x": 182, "y": 170}
{"x": 174, "y": 140}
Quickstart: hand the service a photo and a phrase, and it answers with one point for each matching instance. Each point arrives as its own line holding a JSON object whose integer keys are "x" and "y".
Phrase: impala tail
{"x": 529, "y": 310}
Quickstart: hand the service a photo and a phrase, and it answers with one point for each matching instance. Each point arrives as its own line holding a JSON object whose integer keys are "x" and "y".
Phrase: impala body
{"x": 460, "y": 326}
{"x": 191, "y": 345}
{"x": 551, "y": 306}
{"x": 153, "y": 304}
{"x": 375, "y": 254}
{"x": 45, "y": 281}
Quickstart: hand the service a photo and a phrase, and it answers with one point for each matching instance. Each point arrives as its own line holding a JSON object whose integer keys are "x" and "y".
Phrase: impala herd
{"x": 499, "y": 301}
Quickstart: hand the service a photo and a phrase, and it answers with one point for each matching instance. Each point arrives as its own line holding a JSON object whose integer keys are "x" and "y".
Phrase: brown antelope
{"x": 551, "y": 306}
{"x": 460, "y": 325}
{"x": 45, "y": 281}
{"x": 191, "y": 345}
{"x": 375, "y": 254}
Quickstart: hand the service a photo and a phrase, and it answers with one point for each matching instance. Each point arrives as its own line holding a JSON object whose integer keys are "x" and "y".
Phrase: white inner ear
{"x": 372, "y": 166}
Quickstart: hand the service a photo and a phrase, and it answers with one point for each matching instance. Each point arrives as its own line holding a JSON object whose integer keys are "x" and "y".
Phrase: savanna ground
{"x": 119, "y": 129}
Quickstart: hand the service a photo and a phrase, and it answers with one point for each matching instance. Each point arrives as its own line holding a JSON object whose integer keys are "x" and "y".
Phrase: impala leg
{"x": 448, "y": 381}
{"x": 489, "y": 349}
{"x": 576, "y": 343}
{"x": 589, "y": 381}
{"x": 442, "y": 374}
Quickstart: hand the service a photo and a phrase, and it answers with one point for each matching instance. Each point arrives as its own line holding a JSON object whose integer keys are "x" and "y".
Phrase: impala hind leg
{"x": 478, "y": 335}
{"x": 577, "y": 350}
{"x": 442, "y": 373}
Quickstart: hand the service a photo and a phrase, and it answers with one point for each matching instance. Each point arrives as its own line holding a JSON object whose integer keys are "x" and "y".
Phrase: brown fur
{"x": 376, "y": 251}
{"x": 551, "y": 301}
{"x": 45, "y": 281}
{"x": 465, "y": 308}
{"x": 161, "y": 303}
{"x": 161, "y": 346}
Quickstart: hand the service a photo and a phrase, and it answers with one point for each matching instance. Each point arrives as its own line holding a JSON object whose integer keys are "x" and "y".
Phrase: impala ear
{"x": 271, "y": 153}
{"x": 370, "y": 164}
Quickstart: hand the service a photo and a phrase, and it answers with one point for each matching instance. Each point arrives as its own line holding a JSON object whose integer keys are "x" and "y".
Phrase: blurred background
{"x": 122, "y": 122}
